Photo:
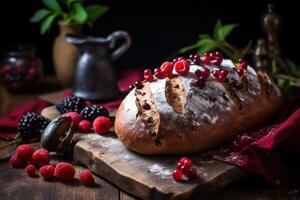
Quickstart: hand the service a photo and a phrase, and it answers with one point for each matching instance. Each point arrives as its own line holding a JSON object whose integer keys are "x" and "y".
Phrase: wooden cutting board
{"x": 147, "y": 177}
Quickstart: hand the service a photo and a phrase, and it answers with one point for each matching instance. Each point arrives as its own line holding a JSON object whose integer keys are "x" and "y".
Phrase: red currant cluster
{"x": 220, "y": 75}
{"x": 181, "y": 66}
{"x": 214, "y": 58}
{"x": 184, "y": 167}
{"x": 241, "y": 66}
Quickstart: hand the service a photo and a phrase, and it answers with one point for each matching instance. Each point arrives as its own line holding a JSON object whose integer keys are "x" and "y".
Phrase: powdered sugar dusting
{"x": 160, "y": 170}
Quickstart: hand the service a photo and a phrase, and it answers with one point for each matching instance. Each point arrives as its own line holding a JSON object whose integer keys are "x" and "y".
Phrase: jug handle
{"x": 113, "y": 39}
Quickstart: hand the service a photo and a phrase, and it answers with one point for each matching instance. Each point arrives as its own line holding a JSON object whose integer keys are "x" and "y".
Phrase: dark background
{"x": 158, "y": 28}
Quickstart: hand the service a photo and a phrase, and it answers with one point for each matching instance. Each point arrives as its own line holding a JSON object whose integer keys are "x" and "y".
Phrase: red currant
{"x": 216, "y": 73}
{"x": 245, "y": 140}
{"x": 243, "y": 64}
{"x": 166, "y": 68}
{"x": 191, "y": 173}
{"x": 206, "y": 72}
{"x": 240, "y": 71}
{"x": 149, "y": 78}
{"x": 147, "y": 72}
{"x": 205, "y": 59}
{"x": 182, "y": 67}
{"x": 177, "y": 175}
{"x": 224, "y": 72}
{"x": 179, "y": 165}
{"x": 187, "y": 163}
{"x": 198, "y": 73}
{"x": 182, "y": 159}
{"x": 158, "y": 74}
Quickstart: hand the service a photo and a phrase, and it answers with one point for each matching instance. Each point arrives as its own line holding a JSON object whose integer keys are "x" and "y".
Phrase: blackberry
{"x": 70, "y": 104}
{"x": 91, "y": 112}
{"x": 31, "y": 126}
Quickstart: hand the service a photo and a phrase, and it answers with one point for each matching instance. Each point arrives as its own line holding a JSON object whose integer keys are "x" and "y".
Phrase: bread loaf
{"x": 172, "y": 116}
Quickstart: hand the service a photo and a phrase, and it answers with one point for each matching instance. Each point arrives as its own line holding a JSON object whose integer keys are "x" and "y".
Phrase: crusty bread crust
{"x": 198, "y": 118}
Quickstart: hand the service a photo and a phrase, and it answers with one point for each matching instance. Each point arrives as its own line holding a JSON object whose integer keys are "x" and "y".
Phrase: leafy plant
{"x": 287, "y": 82}
{"x": 217, "y": 41}
{"x": 68, "y": 11}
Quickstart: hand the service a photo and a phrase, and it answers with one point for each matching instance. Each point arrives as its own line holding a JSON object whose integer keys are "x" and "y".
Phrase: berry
{"x": 216, "y": 73}
{"x": 224, "y": 73}
{"x": 195, "y": 58}
{"x": 138, "y": 85}
{"x": 187, "y": 163}
{"x": 179, "y": 165}
{"x": 182, "y": 67}
{"x": 206, "y": 72}
{"x": 158, "y": 74}
{"x": 243, "y": 64}
{"x": 70, "y": 104}
{"x": 198, "y": 73}
{"x": 147, "y": 72}
{"x": 24, "y": 152}
{"x": 166, "y": 68}
{"x": 84, "y": 126}
{"x": 86, "y": 177}
{"x": 30, "y": 169}
{"x": 245, "y": 140}
{"x": 240, "y": 72}
{"x": 182, "y": 159}
{"x": 177, "y": 175}
{"x": 200, "y": 82}
{"x": 91, "y": 112}
{"x": 191, "y": 172}
{"x": 216, "y": 58}
{"x": 47, "y": 172}
{"x": 16, "y": 162}
{"x": 64, "y": 171}
{"x": 102, "y": 125}
{"x": 31, "y": 126}
{"x": 76, "y": 118}
{"x": 40, "y": 158}
{"x": 205, "y": 59}
{"x": 149, "y": 78}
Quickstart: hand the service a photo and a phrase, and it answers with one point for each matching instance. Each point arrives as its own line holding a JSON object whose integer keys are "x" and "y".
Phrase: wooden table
{"x": 15, "y": 184}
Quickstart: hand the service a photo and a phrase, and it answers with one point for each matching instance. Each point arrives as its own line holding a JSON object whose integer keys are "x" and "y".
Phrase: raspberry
{"x": 30, "y": 169}
{"x": 16, "y": 162}
{"x": 76, "y": 118}
{"x": 47, "y": 172}
{"x": 40, "y": 158}
{"x": 166, "y": 68}
{"x": 102, "y": 125}
{"x": 64, "y": 171}
{"x": 182, "y": 67}
{"x": 84, "y": 126}
{"x": 24, "y": 152}
{"x": 86, "y": 177}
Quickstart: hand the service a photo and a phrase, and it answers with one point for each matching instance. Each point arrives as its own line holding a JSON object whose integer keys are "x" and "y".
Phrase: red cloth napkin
{"x": 273, "y": 151}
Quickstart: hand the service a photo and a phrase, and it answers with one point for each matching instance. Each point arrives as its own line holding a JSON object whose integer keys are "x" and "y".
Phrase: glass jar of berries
{"x": 21, "y": 70}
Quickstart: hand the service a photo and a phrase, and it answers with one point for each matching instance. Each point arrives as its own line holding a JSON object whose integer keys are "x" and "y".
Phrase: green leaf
{"x": 94, "y": 11}
{"x": 53, "y": 5}
{"x": 207, "y": 48}
{"x": 225, "y": 30}
{"x": 70, "y": 2}
{"x": 293, "y": 68}
{"x": 204, "y": 36}
{"x": 46, "y": 23}
{"x": 218, "y": 25}
{"x": 80, "y": 15}
{"x": 39, "y": 15}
